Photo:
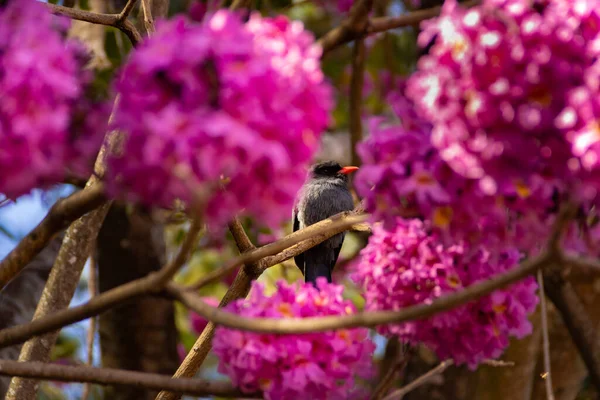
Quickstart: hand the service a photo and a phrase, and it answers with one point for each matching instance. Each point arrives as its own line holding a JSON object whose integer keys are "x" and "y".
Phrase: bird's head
{"x": 331, "y": 169}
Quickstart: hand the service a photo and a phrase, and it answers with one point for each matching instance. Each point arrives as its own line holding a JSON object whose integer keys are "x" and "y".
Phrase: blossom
{"x": 319, "y": 365}
{"x": 489, "y": 88}
{"x": 49, "y": 126}
{"x": 410, "y": 265}
{"x": 221, "y": 109}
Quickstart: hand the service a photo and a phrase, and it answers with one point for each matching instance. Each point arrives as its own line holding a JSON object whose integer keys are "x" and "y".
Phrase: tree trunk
{"x": 141, "y": 334}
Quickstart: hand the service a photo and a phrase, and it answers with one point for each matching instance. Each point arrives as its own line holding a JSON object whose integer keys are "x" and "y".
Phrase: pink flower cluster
{"x": 410, "y": 265}
{"x": 315, "y": 365}
{"x": 48, "y": 127}
{"x": 221, "y": 109}
{"x": 499, "y": 114}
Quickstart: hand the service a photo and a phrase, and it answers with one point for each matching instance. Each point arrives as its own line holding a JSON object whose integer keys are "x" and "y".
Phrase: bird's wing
{"x": 299, "y": 259}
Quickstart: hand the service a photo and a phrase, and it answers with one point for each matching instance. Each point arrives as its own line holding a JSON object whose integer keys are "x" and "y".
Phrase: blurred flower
{"x": 409, "y": 265}
{"x": 49, "y": 127}
{"x": 223, "y": 109}
{"x": 320, "y": 365}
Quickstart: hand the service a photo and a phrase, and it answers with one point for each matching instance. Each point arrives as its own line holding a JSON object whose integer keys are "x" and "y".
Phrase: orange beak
{"x": 349, "y": 169}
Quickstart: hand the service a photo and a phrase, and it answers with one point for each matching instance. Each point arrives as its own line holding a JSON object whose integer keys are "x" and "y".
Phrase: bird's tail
{"x": 315, "y": 271}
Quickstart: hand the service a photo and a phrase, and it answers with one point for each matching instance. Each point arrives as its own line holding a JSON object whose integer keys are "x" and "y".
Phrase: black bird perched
{"x": 323, "y": 195}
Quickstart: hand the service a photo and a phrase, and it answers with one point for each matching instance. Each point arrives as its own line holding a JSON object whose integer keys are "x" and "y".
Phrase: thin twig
{"x": 91, "y": 334}
{"x": 393, "y": 363}
{"x": 545, "y": 337}
{"x": 423, "y": 379}
{"x": 126, "y": 10}
{"x": 576, "y": 320}
{"x": 148, "y": 20}
{"x": 356, "y": 96}
{"x": 348, "y": 32}
{"x": 102, "y": 19}
{"x": 110, "y": 376}
{"x": 60, "y": 216}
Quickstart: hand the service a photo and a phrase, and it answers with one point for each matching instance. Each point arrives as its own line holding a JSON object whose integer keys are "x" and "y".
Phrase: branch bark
{"x": 239, "y": 289}
{"x": 367, "y": 319}
{"x": 545, "y": 338}
{"x": 65, "y": 273}
{"x": 60, "y": 216}
{"x": 350, "y": 30}
{"x": 110, "y": 376}
{"x": 576, "y": 320}
{"x": 20, "y": 297}
{"x": 58, "y": 292}
{"x": 423, "y": 379}
{"x": 114, "y": 20}
{"x": 356, "y": 96}
{"x": 153, "y": 283}
{"x": 91, "y": 334}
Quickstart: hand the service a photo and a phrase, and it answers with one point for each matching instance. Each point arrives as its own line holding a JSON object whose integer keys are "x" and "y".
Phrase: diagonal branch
{"x": 349, "y": 31}
{"x": 114, "y": 20}
{"x": 151, "y": 283}
{"x": 545, "y": 338}
{"x": 423, "y": 379}
{"x": 366, "y": 319}
{"x": 240, "y": 288}
{"x": 148, "y": 19}
{"x": 154, "y": 282}
{"x": 577, "y": 321}
{"x": 110, "y": 376}
{"x": 356, "y": 96}
{"x": 313, "y": 235}
{"x": 122, "y": 17}
{"x": 59, "y": 217}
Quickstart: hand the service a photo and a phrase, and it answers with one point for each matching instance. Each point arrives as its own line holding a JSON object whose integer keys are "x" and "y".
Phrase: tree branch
{"x": 251, "y": 270}
{"x": 110, "y": 376}
{"x": 154, "y": 282}
{"x": 545, "y": 338}
{"x": 239, "y": 289}
{"x": 148, "y": 20}
{"x": 114, "y": 20}
{"x": 194, "y": 359}
{"x": 60, "y": 216}
{"x": 423, "y": 379}
{"x": 356, "y": 96}
{"x": 313, "y": 235}
{"x": 151, "y": 283}
{"x": 58, "y": 293}
{"x": 576, "y": 320}
{"x": 122, "y": 17}
{"x": 239, "y": 235}
{"x": 91, "y": 334}
{"x": 348, "y": 31}
{"x": 365, "y": 319}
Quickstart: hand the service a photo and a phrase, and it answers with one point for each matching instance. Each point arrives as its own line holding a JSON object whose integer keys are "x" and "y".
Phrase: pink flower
{"x": 489, "y": 88}
{"x": 320, "y": 365}
{"x": 410, "y": 265}
{"x": 224, "y": 109}
{"x": 49, "y": 127}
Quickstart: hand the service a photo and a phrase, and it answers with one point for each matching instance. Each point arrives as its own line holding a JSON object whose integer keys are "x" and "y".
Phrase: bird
{"x": 324, "y": 194}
